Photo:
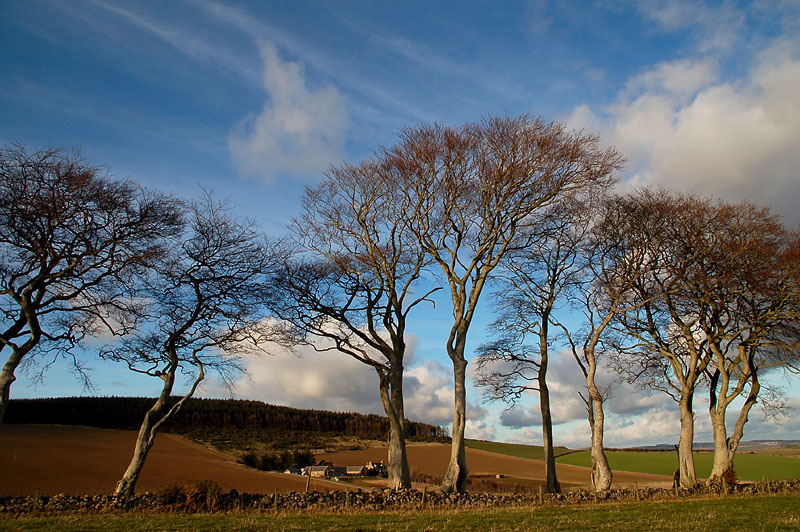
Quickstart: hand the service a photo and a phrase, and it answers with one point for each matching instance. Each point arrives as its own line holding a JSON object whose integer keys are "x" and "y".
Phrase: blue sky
{"x": 256, "y": 99}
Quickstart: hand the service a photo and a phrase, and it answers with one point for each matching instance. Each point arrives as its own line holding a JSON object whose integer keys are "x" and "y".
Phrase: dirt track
{"x": 81, "y": 460}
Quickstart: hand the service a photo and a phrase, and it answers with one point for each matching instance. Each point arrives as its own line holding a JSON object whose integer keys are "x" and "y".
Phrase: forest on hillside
{"x": 224, "y": 423}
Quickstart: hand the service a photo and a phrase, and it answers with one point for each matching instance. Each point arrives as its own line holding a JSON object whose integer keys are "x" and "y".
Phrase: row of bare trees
{"x": 527, "y": 207}
{"x": 673, "y": 290}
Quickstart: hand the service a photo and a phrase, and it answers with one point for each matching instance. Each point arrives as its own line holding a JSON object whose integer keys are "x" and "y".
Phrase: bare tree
{"x": 537, "y": 280}
{"x": 665, "y": 351}
{"x": 356, "y": 284}
{"x": 611, "y": 262}
{"x": 206, "y": 305}
{"x": 71, "y": 237}
{"x": 723, "y": 306}
{"x": 753, "y": 328}
{"x": 469, "y": 190}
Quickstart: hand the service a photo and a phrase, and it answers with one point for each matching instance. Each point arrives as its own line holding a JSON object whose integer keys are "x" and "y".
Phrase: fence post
{"x": 637, "y": 490}
{"x": 541, "y": 497}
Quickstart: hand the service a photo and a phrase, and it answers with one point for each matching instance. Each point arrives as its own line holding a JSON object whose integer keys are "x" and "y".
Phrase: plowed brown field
{"x": 81, "y": 460}
{"x": 432, "y": 459}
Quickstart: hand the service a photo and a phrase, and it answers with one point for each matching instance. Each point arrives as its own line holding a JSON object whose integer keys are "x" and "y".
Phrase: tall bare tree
{"x": 206, "y": 301}
{"x": 469, "y": 190}
{"x": 537, "y": 280}
{"x": 71, "y": 237}
{"x": 354, "y": 283}
{"x": 612, "y": 261}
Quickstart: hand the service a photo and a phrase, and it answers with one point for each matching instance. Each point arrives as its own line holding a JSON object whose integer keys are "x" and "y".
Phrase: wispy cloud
{"x": 715, "y": 28}
{"x": 187, "y": 41}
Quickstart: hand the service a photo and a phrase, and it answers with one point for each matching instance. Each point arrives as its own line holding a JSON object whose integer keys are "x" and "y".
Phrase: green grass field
{"x": 748, "y": 466}
{"x": 514, "y": 449}
{"x": 753, "y": 514}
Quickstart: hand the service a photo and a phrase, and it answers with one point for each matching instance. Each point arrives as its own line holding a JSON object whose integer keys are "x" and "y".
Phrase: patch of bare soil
{"x": 83, "y": 461}
{"x": 432, "y": 459}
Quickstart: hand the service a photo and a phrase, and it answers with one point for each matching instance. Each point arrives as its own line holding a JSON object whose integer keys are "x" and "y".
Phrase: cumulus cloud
{"x": 334, "y": 381}
{"x": 299, "y": 131}
{"x": 683, "y": 129}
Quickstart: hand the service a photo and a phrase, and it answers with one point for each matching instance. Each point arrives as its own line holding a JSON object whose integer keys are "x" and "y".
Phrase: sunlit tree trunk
{"x": 685, "y": 453}
{"x": 392, "y": 398}
{"x": 146, "y": 438}
{"x": 601, "y": 471}
{"x": 455, "y": 478}
{"x": 725, "y": 447}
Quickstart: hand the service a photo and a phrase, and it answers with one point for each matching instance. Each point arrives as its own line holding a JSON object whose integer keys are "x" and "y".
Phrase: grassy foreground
{"x": 752, "y": 467}
{"x": 760, "y": 513}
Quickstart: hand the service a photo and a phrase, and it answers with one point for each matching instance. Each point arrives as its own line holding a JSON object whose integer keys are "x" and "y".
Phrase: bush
{"x": 202, "y": 495}
{"x": 171, "y": 494}
{"x": 730, "y": 476}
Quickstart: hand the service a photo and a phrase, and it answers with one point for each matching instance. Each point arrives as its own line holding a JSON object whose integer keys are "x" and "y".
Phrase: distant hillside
{"x": 751, "y": 445}
{"x": 228, "y": 424}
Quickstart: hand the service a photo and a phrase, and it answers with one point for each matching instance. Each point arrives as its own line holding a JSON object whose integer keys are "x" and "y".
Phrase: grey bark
{"x": 685, "y": 454}
{"x": 455, "y": 478}
{"x": 601, "y": 471}
{"x": 392, "y": 398}
{"x": 725, "y": 447}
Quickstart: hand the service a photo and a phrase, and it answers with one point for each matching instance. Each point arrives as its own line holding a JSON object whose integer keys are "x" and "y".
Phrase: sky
{"x": 255, "y": 100}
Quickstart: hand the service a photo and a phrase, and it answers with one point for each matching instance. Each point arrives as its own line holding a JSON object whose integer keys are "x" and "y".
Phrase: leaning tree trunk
{"x": 7, "y": 376}
{"x": 146, "y": 438}
{"x": 392, "y": 398}
{"x": 455, "y": 478}
{"x": 153, "y": 420}
{"x": 6, "y": 379}
{"x": 685, "y": 455}
{"x": 552, "y": 485}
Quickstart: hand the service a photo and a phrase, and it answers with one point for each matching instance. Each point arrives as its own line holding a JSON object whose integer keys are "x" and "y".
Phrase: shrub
{"x": 202, "y": 495}
{"x": 730, "y": 476}
{"x": 171, "y": 494}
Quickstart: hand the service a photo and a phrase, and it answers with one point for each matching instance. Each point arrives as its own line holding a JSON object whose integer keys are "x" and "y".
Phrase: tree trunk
{"x": 392, "y": 398}
{"x": 725, "y": 447}
{"x": 601, "y": 471}
{"x": 722, "y": 457}
{"x": 7, "y": 376}
{"x": 455, "y": 478}
{"x": 6, "y": 379}
{"x": 685, "y": 457}
{"x": 552, "y": 485}
{"x": 144, "y": 441}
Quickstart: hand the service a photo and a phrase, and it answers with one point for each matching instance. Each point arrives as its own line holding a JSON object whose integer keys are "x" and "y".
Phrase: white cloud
{"x": 335, "y": 381}
{"x": 479, "y": 430}
{"x": 299, "y": 131}
{"x": 734, "y": 140}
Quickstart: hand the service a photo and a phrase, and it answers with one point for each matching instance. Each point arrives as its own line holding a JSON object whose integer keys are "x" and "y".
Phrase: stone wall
{"x": 205, "y": 496}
